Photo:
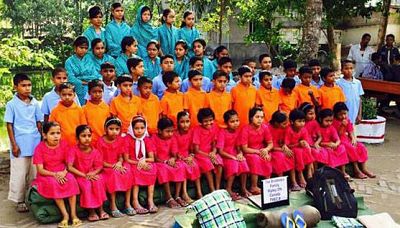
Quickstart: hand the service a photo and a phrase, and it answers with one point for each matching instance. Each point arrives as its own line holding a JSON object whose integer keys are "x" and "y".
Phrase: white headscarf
{"x": 139, "y": 142}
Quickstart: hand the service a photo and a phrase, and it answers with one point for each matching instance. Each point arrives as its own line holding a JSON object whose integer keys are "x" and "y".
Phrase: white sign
{"x": 275, "y": 189}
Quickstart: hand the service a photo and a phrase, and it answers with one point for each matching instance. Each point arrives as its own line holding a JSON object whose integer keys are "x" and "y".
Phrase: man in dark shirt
{"x": 388, "y": 52}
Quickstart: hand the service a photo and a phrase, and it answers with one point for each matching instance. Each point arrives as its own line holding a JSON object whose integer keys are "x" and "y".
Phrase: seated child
{"x": 265, "y": 62}
{"x": 129, "y": 48}
{"x": 151, "y": 61}
{"x": 196, "y": 63}
{"x": 267, "y": 97}
{"x": 167, "y": 65}
{"x": 110, "y": 90}
{"x": 290, "y": 69}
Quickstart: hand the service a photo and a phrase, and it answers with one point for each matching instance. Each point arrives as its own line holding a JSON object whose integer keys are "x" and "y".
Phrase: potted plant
{"x": 371, "y": 129}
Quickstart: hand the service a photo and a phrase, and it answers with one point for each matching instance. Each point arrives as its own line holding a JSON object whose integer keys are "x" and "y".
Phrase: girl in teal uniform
{"x": 129, "y": 47}
{"x": 142, "y": 30}
{"x": 181, "y": 60}
{"x": 95, "y": 30}
{"x": 219, "y": 52}
{"x": 151, "y": 61}
{"x": 98, "y": 55}
{"x": 79, "y": 68}
{"x": 188, "y": 32}
{"x": 199, "y": 47}
{"x": 167, "y": 33}
{"x": 116, "y": 30}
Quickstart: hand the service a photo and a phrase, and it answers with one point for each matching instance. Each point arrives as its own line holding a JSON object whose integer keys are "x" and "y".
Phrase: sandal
{"x": 153, "y": 209}
{"x": 181, "y": 202}
{"x": 141, "y": 210}
{"x": 299, "y": 219}
{"x": 255, "y": 192}
{"x": 369, "y": 174}
{"x": 360, "y": 175}
{"x": 347, "y": 177}
{"x": 104, "y": 216}
{"x": 171, "y": 203}
{"x": 286, "y": 221}
{"x": 93, "y": 218}
{"x": 303, "y": 185}
{"x": 130, "y": 211}
{"x": 63, "y": 224}
{"x": 22, "y": 208}
{"x": 117, "y": 214}
{"x": 76, "y": 222}
{"x": 295, "y": 188}
{"x": 235, "y": 196}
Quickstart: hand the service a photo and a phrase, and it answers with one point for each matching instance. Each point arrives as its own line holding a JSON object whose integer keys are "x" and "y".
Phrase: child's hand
{"x": 333, "y": 145}
{"x": 119, "y": 167}
{"x": 310, "y": 92}
{"x": 189, "y": 160}
{"x": 171, "y": 162}
{"x": 304, "y": 144}
{"x": 240, "y": 157}
{"x": 317, "y": 146}
{"x": 288, "y": 152}
{"x": 358, "y": 119}
{"x": 16, "y": 151}
{"x": 354, "y": 141}
{"x": 212, "y": 155}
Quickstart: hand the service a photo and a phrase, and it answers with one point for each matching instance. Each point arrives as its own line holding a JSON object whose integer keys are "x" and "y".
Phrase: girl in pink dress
{"x": 183, "y": 137}
{"x": 53, "y": 181}
{"x": 117, "y": 175}
{"x": 296, "y": 138}
{"x": 140, "y": 156}
{"x": 168, "y": 168}
{"x": 282, "y": 156}
{"x": 228, "y": 146}
{"x": 356, "y": 151}
{"x": 204, "y": 141}
{"x": 331, "y": 142}
{"x": 86, "y": 163}
{"x": 256, "y": 142}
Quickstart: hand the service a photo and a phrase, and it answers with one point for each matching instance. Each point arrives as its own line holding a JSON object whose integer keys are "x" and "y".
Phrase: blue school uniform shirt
{"x": 182, "y": 68}
{"x": 50, "y": 101}
{"x": 24, "y": 118}
{"x": 114, "y": 34}
{"x": 207, "y": 85}
{"x": 208, "y": 68}
{"x": 352, "y": 91}
{"x": 79, "y": 70}
{"x": 189, "y": 35}
{"x": 151, "y": 69}
{"x": 158, "y": 86}
{"x": 168, "y": 37}
{"x": 277, "y": 81}
{"x": 96, "y": 62}
{"x": 120, "y": 64}
{"x": 91, "y": 34}
{"x": 317, "y": 84}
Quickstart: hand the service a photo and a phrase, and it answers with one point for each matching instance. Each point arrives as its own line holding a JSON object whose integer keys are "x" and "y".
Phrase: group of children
{"x": 135, "y": 131}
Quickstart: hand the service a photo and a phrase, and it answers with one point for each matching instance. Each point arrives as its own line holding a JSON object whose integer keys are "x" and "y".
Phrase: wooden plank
{"x": 380, "y": 86}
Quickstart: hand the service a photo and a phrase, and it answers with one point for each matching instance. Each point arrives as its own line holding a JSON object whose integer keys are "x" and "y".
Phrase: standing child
{"x": 126, "y": 105}
{"x": 86, "y": 163}
{"x": 151, "y": 61}
{"x": 225, "y": 64}
{"x": 117, "y": 175}
{"x": 305, "y": 92}
{"x": 244, "y": 95}
{"x": 290, "y": 69}
{"x": 316, "y": 69}
{"x": 95, "y": 30}
{"x": 140, "y": 156}
{"x": 330, "y": 93}
{"x": 188, "y": 32}
{"x": 256, "y": 144}
{"x": 204, "y": 141}
{"x": 356, "y": 151}
{"x": 95, "y": 110}
{"x": 108, "y": 73}
{"x": 184, "y": 138}
{"x": 266, "y": 65}
{"x": 116, "y": 30}
{"x": 181, "y": 59}
{"x": 267, "y": 97}
{"x": 287, "y": 96}
{"x": 53, "y": 181}
{"x": 167, "y": 32}
{"x": 352, "y": 90}
{"x": 167, "y": 65}
{"x": 151, "y": 107}
{"x": 228, "y": 145}
{"x": 98, "y": 55}
{"x": 23, "y": 119}
{"x": 199, "y": 48}
{"x": 136, "y": 71}
{"x": 195, "y": 97}
{"x": 129, "y": 47}
{"x": 196, "y": 63}
{"x": 168, "y": 168}
{"x": 173, "y": 100}
{"x": 331, "y": 142}
{"x": 67, "y": 113}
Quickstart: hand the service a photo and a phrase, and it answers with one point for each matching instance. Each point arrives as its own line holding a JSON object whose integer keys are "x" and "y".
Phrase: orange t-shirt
{"x": 330, "y": 96}
{"x": 171, "y": 104}
{"x": 69, "y": 118}
{"x": 219, "y": 103}
{"x": 269, "y": 100}
{"x": 243, "y": 98}
{"x": 194, "y": 100}
{"x": 125, "y": 110}
{"x": 288, "y": 101}
{"x": 301, "y": 93}
{"x": 151, "y": 111}
{"x": 96, "y": 116}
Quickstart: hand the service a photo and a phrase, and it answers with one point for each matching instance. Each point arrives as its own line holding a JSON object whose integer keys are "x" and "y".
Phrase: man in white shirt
{"x": 361, "y": 54}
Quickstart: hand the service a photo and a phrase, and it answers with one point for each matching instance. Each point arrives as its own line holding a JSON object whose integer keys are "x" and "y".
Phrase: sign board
{"x": 274, "y": 193}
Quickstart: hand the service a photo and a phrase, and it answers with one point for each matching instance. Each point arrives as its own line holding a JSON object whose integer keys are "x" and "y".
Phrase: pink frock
{"x": 302, "y": 156}
{"x": 228, "y": 141}
{"x": 163, "y": 150}
{"x": 338, "y": 156}
{"x": 54, "y": 160}
{"x": 184, "y": 143}
{"x": 93, "y": 192}
{"x": 204, "y": 138}
{"x": 320, "y": 156}
{"x": 256, "y": 139}
{"x": 356, "y": 153}
{"x": 280, "y": 162}
{"x": 141, "y": 177}
{"x": 115, "y": 180}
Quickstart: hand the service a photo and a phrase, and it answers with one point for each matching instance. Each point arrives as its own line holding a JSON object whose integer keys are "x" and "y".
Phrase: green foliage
{"x": 337, "y": 11}
{"x": 369, "y": 108}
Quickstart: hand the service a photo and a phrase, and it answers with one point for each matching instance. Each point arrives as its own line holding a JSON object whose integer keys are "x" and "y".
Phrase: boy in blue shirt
{"x": 167, "y": 65}
{"x": 23, "y": 118}
{"x": 290, "y": 69}
{"x": 316, "y": 68}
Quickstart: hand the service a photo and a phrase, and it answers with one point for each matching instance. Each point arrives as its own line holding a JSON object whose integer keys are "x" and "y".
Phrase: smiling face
{"x": 207, "y": 122}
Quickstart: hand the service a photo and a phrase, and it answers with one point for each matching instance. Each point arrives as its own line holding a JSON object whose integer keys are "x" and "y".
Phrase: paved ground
{"x": 381, "y": 194}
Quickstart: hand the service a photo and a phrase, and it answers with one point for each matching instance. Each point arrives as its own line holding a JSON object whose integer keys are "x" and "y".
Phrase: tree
{"x": 383, "y": 22}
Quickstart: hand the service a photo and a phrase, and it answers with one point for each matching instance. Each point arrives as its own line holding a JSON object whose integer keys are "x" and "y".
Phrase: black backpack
{"x": 332, "y": 194}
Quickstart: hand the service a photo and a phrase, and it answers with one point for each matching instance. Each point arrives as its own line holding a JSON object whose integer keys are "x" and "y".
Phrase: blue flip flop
{"x": 286, "y": 221}
{"x": 299, "y": 219}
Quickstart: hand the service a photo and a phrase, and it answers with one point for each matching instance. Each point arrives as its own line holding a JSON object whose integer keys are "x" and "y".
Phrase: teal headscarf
{"x": 168, "y": 38}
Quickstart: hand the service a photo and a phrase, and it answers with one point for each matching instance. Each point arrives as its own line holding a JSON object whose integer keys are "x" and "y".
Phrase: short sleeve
{"x": 71, "y": 155}
{"x": 196, "y": 137}
{"x": 113, "y": 109}
{"x": 45, "y": 106}
{"x": 258, "y": 99}
{"x": 98, "y": 160}
{"x": 220, "y": 139}
{"x": 38, "y": 113}
{"x": 174, "y": 145}
{"x": 287, "y": 136}
{"x": 38, "y": 155}
{"x": 9, "y": 114}
{"x": 149, "y": 145}
{"x": 304, "y": 135}
{"x": 333, "y": 134}
{"x": 244, "y": 136}
{"x": 164, "y": 106}
{"x": 349, "y": 127}
{"x": 185, "y": 101}
{"x": 360, "y": 89}
{"x": 267, "y": 135}
{"x": 53, "y": 114}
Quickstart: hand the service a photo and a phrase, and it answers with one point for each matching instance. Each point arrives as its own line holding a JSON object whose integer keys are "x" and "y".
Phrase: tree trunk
{"x": 383, "y": 23}
{"x": 311, "y": 31}
{"x": 221, "y": 19}
{"x": 332, "y": 47}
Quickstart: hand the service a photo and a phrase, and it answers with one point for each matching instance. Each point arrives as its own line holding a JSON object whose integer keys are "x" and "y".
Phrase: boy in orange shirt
{"x": 195, "y": 98}
{"x": 288, "y": 98}
{"x": 218, "y": 99}
{"x": 125, "y": 106}
{"x": 151, "y": 108}
{"x": 305, "y": 92}
{"x": 67, "y": 113}
{"x": 173, "y": 100}
{"x": 96, "y": 110}
{"x": 244, "y": 95}
{"x": 267, "y": 97}
{"x": 330, "y": 93}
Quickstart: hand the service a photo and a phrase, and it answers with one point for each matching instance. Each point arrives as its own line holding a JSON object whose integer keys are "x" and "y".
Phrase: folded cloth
{"x": 343, "y": 222}
{"x": 378, "y": 220}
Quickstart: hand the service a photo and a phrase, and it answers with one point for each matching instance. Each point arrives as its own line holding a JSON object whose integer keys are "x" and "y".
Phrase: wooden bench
{"x": 379, "y": 86}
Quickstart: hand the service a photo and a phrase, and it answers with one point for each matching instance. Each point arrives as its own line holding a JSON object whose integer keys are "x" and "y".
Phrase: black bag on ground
{"x": 332, "y": 194}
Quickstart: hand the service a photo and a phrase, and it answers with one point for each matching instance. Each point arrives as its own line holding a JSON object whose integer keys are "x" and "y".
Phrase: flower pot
{"x": 371, "y": 131}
